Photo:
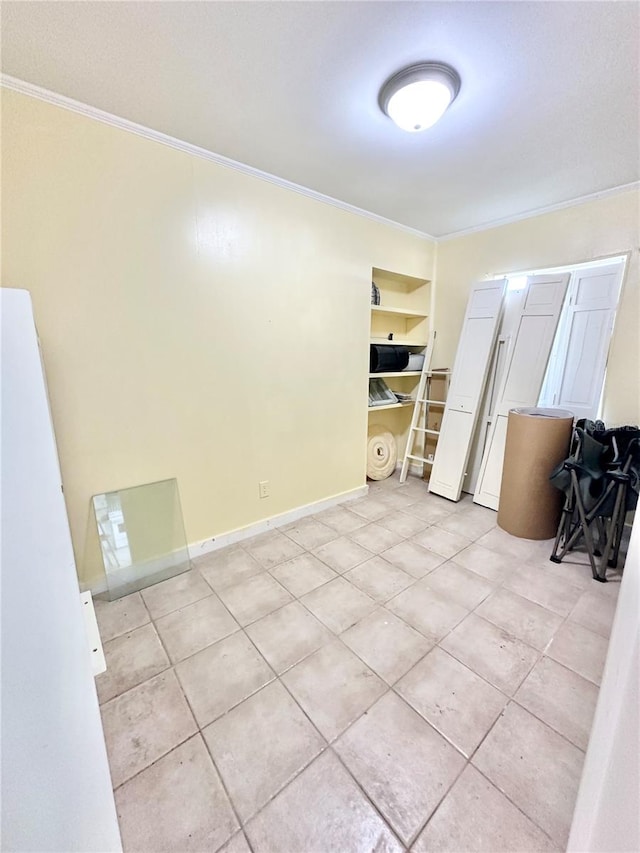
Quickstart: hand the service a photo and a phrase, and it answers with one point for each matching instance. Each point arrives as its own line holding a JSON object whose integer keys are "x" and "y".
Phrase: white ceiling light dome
{"x": 416, "y": 97}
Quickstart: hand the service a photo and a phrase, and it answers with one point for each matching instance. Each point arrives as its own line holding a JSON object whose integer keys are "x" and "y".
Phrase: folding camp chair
{"x": 600, "y": 480}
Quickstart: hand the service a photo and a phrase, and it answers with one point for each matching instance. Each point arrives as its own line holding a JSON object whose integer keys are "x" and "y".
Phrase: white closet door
{"x": 529, "y": 350}
{"x": 582, "y": 344}
{"x": 468, "y": 379}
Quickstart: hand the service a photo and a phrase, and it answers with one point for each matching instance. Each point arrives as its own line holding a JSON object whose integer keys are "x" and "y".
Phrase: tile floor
{"x": 395, "y": 673}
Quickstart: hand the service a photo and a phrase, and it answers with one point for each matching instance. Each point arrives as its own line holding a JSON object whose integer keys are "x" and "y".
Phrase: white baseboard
{"x": 205, "y": 546}
{"x": 199, "y": 549}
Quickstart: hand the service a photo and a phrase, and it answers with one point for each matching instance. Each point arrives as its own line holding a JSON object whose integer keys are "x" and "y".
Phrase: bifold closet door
{"x": 582, "y": 345}
{"x": 529, "y": 349}
{"x": 468, "y": 379}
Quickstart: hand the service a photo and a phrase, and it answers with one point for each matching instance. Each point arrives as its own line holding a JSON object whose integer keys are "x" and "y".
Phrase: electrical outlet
{"x": 263, "y": 488}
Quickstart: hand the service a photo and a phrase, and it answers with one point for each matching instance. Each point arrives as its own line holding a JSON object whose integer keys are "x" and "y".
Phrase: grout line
{"x": 369, "y": 799}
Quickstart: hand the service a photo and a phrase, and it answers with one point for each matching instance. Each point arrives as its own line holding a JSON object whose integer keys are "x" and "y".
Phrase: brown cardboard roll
{"x": 537, "y": 440}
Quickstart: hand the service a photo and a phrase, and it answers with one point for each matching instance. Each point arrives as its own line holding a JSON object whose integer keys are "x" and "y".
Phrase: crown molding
{"x": 33, "y": 91}
{"x": 539, "y": 211}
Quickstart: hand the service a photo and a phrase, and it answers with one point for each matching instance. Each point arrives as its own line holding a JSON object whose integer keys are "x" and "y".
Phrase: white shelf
{"x": 405, "y": 342}
{"x": 395, "y": 373}
{"x": 391, "y": 406}
{"x": 402, "y": 312}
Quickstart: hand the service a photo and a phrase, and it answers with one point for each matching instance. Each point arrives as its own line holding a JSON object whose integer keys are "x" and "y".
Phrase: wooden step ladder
{"x": 421, "y": 410}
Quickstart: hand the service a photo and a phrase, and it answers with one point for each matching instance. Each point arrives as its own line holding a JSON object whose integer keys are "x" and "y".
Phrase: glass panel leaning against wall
{"x": 142, "y": 536}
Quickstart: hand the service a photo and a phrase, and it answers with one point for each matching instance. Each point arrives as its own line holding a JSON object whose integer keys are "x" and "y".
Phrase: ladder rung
{"x": 420, "y": 459}
{"x": 435, "y": 402}
{"x": 424, "y": 429}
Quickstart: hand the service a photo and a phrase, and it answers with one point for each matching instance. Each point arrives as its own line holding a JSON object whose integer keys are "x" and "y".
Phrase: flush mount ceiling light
{"x": 416, "y": 97}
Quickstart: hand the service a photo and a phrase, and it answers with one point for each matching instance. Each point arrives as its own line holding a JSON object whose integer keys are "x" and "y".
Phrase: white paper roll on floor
{"x": 382, "y": 453}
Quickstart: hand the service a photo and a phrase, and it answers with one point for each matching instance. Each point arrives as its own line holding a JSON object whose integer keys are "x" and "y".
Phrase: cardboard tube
{"x": 537, "y": 440}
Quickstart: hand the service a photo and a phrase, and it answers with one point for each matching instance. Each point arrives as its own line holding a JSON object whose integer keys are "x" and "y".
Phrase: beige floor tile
{"x": 520, "y": 617}
{"x": 418, "y": 489}
{"x": 534, "y": 583}
{"x": 574, "y": 569}
{"x": 131, "y": 659}
{"x": 174, "y": 593}
{"x": 441, "y": 541}
{"x": 190, "y": 629}
{"x": 302, "y": 574}
{"x": 177, "y": 804}
{"x": 375, "y": 538}
{"x": 403, "y": 523}
{"x": 379, "y": 579}
{"x": 386, "y": 644}
{"x": 403, "y": 765}
{"x": 398, "y": 499}
{"x": 476, "y": 817}
{"x": 321, "y": 810}
{"x": 512, "y": 546}
{"x": 595, "y": 612}
{"x": 272, "y": 548}
{"x": 580, "y": 649}
{"x": 221, "y": 676}
{"x": 120, "y": 617}
{"x": 309, "y": 533}
{"x": 341, "y": 519}
{"x": 228, "y": 567}
{"x": 342, "y": 554}
{"x": 238, "y": 844}
{"x": 430, "y": 509}
{"x": 560, "y": 698}
{"x": 254, "y": 598}
{"x": 457, "y": 702}
{"x": 471, "y": 522}
{"x": 535, "y": 767}
{"x": 427, "y": 611}
{"x": 338, "y": 604}
{"x": 489, "y": 651}
{"x": 370, "y": 507}
{"x": 413, "y": 559}
{"x": 145, "y": 723}
{"x": 288, "y": 635}
{"x": 260, "y": 746}
{"x": 334, "y": 687}
{"x": 489, "y": 564}
{"x": 460, "y": 585}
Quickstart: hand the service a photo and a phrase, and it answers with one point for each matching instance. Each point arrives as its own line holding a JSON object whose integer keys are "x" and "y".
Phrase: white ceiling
{"x": 548, "y": 110}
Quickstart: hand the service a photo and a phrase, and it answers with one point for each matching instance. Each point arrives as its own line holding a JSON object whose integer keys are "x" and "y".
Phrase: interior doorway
{"x": 576, "y": 370}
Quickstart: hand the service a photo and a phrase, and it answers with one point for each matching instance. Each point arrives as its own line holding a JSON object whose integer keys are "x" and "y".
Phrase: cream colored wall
{"x": 195, "y": 322}
{"x": 576, "y": 234}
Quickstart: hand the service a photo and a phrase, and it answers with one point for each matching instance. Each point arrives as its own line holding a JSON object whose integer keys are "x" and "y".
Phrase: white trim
{"x": 206, "y": 546}
{"x": 539, "y": 211}
{"x": 33, "y": 91}
{"x": 98, "y": 663}
{"x": 198, "y": 549}
{"x": 603, "y": 261}
{"x": 23, "y": 87}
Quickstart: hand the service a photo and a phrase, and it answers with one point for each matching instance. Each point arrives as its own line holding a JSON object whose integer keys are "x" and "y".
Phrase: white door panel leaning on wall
{"x": 541, "y": 302}
{"x": 575, "y": 377}
{"x": 468, "y": 379}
